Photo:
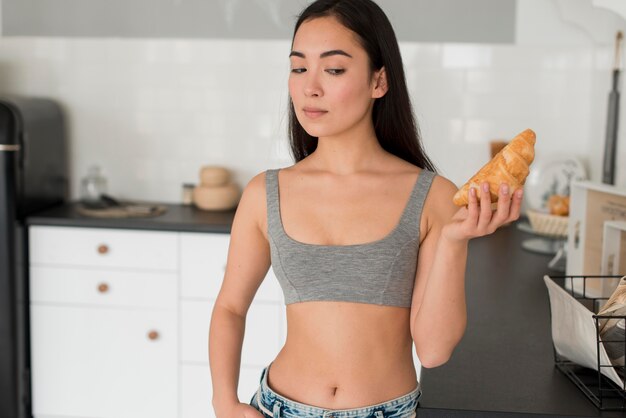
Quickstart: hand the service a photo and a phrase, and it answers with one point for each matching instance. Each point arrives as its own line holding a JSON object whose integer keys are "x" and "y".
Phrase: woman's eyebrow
{"x": 323, "y": 54}
{"x": 335, "y": 52}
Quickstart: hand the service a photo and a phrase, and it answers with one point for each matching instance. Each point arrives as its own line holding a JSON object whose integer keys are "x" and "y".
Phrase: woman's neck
{"x": 349, "y": 152}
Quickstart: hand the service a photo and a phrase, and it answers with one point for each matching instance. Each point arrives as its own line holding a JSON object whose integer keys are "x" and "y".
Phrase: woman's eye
{"x": 335, "y": 71}
{"x": 298, "y": 70}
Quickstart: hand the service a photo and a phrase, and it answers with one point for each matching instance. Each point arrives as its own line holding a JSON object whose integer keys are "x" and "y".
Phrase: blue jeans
{"x": 273, "y": 405}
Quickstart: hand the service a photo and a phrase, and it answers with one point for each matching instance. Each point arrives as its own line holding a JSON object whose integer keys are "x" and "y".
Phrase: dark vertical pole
{"x": 612, "y": 118}
{"x": 9, "y": 372}
{"x": 610, "y": 144}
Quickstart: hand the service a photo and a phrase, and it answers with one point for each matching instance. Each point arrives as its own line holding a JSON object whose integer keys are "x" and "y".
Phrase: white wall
{"x": 588, "y": 27}
{"x": 151, "y": 112}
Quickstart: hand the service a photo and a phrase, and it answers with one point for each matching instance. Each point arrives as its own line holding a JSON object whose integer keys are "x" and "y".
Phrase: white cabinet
{"x": 203, "y": 263}
{"x": 99, "y": 247}
{"x": 100, "y": 287}
{"x": 120, "y": 322}
{"x": 195, "y": 391}
{"x": 104, "y": 322}
{"x": 102, "y": 362}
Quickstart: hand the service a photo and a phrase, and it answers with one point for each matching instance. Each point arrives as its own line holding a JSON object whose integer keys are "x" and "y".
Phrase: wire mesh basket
{"x": 599, "y": 389}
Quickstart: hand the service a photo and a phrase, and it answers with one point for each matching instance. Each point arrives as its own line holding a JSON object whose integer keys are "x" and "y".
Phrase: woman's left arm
{"x": 438, "y": 310}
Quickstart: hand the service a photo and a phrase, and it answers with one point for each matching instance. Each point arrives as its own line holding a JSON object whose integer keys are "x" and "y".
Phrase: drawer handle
{"x": 153, "y": 335}
{"x": 103, "y": 249}
{"x": 103, "y": 288}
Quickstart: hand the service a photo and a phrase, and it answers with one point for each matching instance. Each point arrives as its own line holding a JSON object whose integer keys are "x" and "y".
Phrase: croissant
{"x": 510, "y": 165}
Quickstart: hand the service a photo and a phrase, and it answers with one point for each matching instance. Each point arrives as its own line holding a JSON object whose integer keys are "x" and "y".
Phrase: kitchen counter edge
{"x": 179, "y": 218}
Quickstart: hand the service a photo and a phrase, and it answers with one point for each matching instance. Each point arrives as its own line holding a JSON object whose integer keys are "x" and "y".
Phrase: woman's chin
{"x": 318, "y": 131}
{"x": 315, "y": 132}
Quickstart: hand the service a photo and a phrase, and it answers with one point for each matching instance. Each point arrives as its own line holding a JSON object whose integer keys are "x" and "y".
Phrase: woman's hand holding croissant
{"x": 476, "y": 220}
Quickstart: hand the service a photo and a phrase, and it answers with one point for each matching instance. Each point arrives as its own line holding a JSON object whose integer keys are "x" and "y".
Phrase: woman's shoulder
{"x": 256, "y": 185}
{"x": 442, "y": 187}
{"x": 253, "y": 201}
{"x": 439, "y": 206}
{"x": 255, "y": 190}
{"x": 251, "y": 207}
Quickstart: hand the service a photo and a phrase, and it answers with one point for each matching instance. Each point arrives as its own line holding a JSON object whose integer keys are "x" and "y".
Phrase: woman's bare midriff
{"x": 342, "y": 355}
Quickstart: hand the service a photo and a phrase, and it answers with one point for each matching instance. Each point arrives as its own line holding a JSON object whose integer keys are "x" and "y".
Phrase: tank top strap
{"x": 416, "y": 202}
{"x": 411, "y": 217}
{"x": 271, "y": 192}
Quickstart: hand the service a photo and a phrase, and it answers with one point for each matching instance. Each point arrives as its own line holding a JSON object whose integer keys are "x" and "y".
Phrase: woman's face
{"x": 331, "y": 86}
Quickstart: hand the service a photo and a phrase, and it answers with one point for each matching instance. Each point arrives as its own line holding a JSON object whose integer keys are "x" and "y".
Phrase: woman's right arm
{"x": 247, "y": 264}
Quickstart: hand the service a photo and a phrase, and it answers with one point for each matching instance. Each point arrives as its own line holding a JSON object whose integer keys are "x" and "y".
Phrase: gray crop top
{"x": 380, "y": 272}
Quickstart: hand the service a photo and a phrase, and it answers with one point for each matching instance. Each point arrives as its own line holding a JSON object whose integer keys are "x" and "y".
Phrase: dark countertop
{"x": 176, "y": 218}
{"x": 504, "y": 365}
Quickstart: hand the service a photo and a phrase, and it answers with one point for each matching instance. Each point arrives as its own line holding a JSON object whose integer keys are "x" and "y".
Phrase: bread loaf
{"x": 510, "y": 165}
{"x": 558, "y": 205}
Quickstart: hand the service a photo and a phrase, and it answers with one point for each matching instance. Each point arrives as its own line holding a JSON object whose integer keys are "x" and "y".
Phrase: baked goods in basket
{"x": 558, "y": 205}
{"x": 510, "y": 165}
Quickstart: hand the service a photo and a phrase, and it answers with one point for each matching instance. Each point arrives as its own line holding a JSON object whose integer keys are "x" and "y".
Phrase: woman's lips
{"x": 313, "y": 112}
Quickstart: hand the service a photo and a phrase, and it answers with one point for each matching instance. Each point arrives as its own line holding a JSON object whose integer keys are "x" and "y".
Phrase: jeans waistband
{"x": 277, "y": 405}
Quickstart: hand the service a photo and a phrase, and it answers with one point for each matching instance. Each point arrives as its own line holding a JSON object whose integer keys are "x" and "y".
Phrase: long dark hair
{"x": 394, "y": 123}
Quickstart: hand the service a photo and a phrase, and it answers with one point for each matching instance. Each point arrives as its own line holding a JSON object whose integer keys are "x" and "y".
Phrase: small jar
{"x": 188, "y": 193}
{"x": 93, "y": 186}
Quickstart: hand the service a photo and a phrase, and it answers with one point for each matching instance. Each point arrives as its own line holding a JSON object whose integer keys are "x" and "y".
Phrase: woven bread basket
{"x": 546, "y": 224}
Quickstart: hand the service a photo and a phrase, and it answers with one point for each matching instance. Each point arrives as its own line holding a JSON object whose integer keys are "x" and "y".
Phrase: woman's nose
{"x": 312, "y": 86}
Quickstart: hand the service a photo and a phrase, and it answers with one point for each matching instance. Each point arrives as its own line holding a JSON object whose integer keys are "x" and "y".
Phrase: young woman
{"x": 361, "y": 233}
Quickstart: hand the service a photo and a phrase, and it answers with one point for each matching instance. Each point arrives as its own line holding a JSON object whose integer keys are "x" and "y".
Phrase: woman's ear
{"x": 380, "y": 83}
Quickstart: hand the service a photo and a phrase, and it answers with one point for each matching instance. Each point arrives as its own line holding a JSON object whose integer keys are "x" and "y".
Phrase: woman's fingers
{"x": 485, "y": 207}
{"x": 516, "y": 205}
{"x": 481, "y": 220}
{"x": 503, "y": 211}
{"x": 472, "y": 207}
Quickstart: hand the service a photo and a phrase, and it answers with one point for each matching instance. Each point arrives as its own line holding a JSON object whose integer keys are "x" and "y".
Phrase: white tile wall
{"x": 152, "y": 112}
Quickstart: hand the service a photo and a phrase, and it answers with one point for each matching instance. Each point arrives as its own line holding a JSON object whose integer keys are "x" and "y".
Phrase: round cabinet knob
{"x": 103, "y": 249}
{"x": 103, "y": 288}
{"x": 153, "y": 335}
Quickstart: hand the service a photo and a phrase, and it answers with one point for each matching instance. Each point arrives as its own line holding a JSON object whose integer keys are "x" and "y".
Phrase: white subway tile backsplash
{"x": 436, "y": 81}
{"x": 480, "y": 131}
{"x": 504, "y": 57}
{"x": 151, "y": 112}
{"x": 503, "y": 81}
{"x": 497, "y": 106}
{"x": 466, "y": 56}
{"x": 423, "y": 56}
{"x": 47, "y": 49}
{"x": 603, "y": 58}
{"x": 437, "y": 94}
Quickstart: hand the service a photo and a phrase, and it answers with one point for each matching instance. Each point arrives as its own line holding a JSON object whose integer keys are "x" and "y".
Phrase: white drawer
{"x": 100, "y": 247}
{"x": 264, "y": 334}
{"x": 196, "y": 392}
{"x": 195, "y": 318}
{"x": 103, "y": 287}
{"x": 102, "y": 362}
{"x": 203, "y": 264}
